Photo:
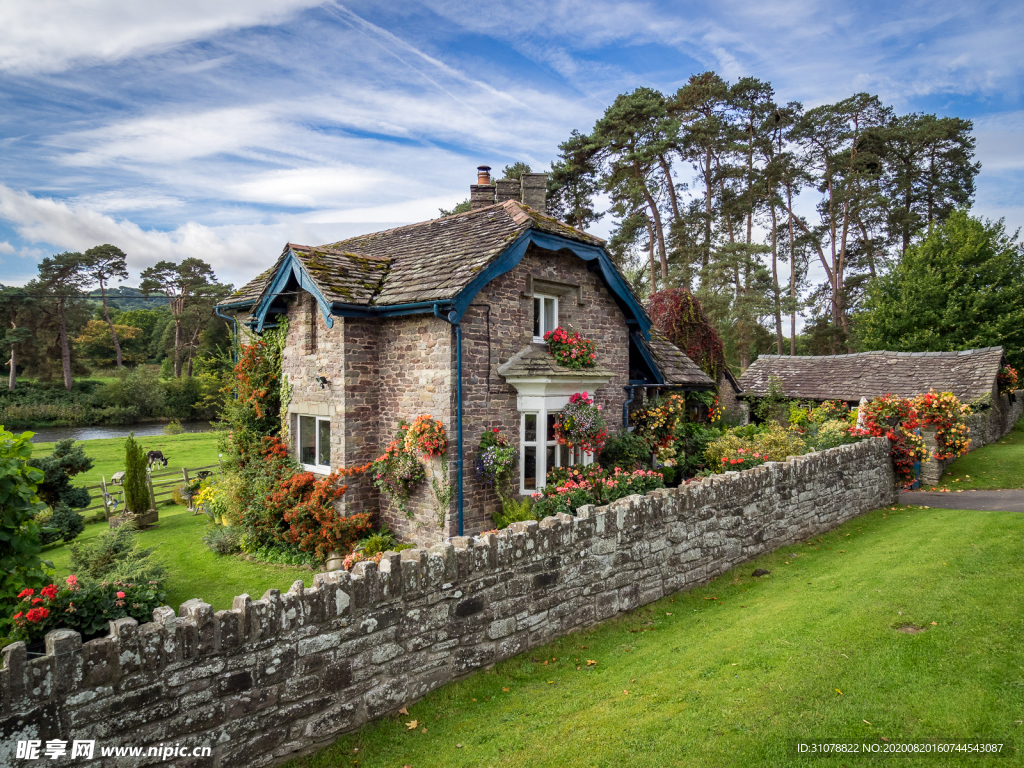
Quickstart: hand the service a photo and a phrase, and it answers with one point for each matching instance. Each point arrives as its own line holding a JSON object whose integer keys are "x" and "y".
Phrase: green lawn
{"x": 733, "y": 673}
{"x": 197, "y": 449}
{"x": 195, "y": 571}
{"x": 994, "y": 466}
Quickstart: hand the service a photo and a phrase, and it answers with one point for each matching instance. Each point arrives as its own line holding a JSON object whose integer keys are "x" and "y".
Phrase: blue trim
{"x": 645, "y": 353}
{"x": 515, "y": 252}
{"x": 290, "y": 268}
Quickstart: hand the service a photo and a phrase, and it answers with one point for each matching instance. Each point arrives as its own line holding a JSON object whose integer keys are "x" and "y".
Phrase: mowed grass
{"x": 733, "y": 673}
{"x": 991, "y": 467}
{"x": 197, "y": 449}
{"x": 194, "y": 570}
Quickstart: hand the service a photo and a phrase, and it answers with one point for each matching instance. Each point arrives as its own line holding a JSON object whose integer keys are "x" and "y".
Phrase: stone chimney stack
{"x": 535, "y": 191}
{"x": 481, "y": 194}
{"x": 507, "y": 189}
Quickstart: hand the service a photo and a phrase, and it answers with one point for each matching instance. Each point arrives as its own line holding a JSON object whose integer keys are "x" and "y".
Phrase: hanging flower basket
{"x": 426, "y": 437}
{"x": 1007, "y": 380}
{"x": 581, "y": 425}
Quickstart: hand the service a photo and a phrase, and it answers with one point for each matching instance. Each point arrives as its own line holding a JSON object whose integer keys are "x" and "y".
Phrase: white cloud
{"x": 51, "y": 35}
{"x": 6, "y": 247}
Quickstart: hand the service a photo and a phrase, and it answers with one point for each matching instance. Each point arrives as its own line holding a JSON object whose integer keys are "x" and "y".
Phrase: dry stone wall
{"x": 289, "y": 672}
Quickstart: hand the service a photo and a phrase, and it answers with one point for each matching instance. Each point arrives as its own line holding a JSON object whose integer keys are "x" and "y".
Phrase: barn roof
{"x": 968, "y": 374}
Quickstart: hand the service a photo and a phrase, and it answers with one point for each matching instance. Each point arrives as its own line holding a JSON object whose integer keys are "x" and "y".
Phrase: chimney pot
{"x": 483, "y": 174}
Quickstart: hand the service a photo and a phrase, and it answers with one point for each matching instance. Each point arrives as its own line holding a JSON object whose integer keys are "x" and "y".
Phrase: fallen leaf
{"x": 935, "y": 623}
{"x": 867, "y": 722}
{"x": 545, "y": 663}
{"x": 551, "y": 682}
{"x": 626, "y": 692}
{"x": 668, "y": 614}
{"x": 474, "y": 699}
{"x": 591, "y": 662}
{"x": 839, "y": 692}
{"x": 412, "y": 726}
{"x": 458, "y": 746}
{"x": 505, "y": 690}
{"x": 403, "y": 711}
{"x": 424, "y": 729}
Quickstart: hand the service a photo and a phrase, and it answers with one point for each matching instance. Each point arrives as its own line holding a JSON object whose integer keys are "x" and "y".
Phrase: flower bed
{"x": 571, "y": 487}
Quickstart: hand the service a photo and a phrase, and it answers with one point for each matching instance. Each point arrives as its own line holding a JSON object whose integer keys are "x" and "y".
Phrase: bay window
{"x": 539, "y": 451}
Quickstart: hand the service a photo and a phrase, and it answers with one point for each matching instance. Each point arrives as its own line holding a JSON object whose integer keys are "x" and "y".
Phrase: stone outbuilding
{"x": 446, "y": 318}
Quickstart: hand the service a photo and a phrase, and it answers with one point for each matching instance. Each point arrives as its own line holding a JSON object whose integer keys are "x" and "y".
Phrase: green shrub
{"x": 513, "y": 512}
{"x": 821, "y": 437}
{"x": 20, "y": 564}
{"x": 115, "y": 555}
{"x": 136, "y": 487}
{"x": 136, "y": 388}
{"x": 772, "y": 442}
{"x": 66, "y": 461}
{"x": 62, "y": 523}
{"x": 223, "y": 541}
{"x": 381, "y": 541}
{"x": 628, "y": 450}
{"x": 173, "y": 427}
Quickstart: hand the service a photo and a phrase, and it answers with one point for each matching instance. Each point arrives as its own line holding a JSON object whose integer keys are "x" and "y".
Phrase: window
{"x": 540, "y": 452}
{"x": 545, "y": 315}
{"x": 313, "y": 439}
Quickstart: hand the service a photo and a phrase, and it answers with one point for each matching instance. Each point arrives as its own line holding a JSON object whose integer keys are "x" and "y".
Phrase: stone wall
{"x": 986, "y": 427}
{"x": 288, "y": 672}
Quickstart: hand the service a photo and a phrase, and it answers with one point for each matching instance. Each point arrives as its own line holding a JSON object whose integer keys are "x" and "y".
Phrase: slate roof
{"x": 968, "y": 374}
{"x": 675, "y": 366}
{"x": 534, "y": 360}
{"x": 429, "y": 261}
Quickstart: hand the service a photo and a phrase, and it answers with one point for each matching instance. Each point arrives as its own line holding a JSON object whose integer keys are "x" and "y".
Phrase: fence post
{"x": 149, "y": 483}
{"x": 106, "y": 504}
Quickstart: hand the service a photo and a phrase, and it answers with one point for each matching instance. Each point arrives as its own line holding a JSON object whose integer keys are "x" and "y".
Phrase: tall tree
{"x": 831, "y": 140}
{"x": 15, "y": 311}
{"x": 63, "y": 277}
{"x": 105, "y": 263}
{"x": 184, "y": 285}
{"x": 959, "y": 288}
{"x": 574, "y": 182}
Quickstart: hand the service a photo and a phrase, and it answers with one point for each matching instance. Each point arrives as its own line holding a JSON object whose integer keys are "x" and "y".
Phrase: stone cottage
{"x": 446, "y": 317}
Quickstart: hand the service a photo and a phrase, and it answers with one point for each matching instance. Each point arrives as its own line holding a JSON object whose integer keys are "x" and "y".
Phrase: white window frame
{"x": 563, "y": 456}
{"x": 539, "y": 322}
{"x": 318, "y": 468}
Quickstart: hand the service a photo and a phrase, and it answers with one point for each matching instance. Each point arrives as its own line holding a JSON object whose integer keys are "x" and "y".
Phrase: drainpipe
{"x": 451, "y": 320}
{"x": 234, "y": 322}
{"x": 631, "y": 391}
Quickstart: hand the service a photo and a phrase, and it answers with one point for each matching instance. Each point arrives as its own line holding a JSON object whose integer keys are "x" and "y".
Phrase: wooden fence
{"x": 161, "y": 487}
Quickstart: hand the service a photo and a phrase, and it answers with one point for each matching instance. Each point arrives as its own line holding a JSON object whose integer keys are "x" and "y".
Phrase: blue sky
{"x": 223, "y": 130}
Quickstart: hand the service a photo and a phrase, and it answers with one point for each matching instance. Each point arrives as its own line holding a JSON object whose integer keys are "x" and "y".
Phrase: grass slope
{"x": 196, "y": 449}
{"x": 733, "y": 673}
{"x": 195, "y": 571}
{"x": 991, "y": 467}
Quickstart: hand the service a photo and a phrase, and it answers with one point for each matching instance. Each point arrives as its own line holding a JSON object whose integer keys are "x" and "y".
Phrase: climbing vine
{"x": 679, "y": 315}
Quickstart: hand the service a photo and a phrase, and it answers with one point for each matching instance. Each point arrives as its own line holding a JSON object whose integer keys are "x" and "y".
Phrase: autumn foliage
{"x": 679, "y": 315}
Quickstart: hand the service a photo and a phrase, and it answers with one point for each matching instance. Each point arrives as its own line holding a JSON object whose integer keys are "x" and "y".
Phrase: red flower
{"x": 26, "y": 593}
{"x": 37, "y": 614}
{"x": 49, "y": 592}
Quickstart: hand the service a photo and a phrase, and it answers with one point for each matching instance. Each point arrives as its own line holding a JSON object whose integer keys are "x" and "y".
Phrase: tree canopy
{"x": 962, "y": 287}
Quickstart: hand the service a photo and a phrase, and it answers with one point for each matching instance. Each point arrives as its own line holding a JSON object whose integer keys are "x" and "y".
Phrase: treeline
{"x": 70, "y": 321}
{"x": 725, "y": 189}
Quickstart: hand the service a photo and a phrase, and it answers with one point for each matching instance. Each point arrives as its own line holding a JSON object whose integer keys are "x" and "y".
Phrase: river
{"x": 53, "y": 434}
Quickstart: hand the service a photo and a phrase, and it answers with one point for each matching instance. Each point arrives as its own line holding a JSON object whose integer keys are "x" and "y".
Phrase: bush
{"x": 20, "y": 564}
{"x": 63, "y": 523}
{"x": 173, "y": 427}
{"x": 86, "y": 608}
{"x": 627, "y": 450}
{"x": 771, "y": 442}
{"x": 137, "y": 388}
{"x": 136, "y": 488}
{"x": 223, "y": 541}
{"x": 513, "y": 511}
{"x": 115, "y": 555}
{"x": 821, "y": 437}
{"x": 66, "y": 461}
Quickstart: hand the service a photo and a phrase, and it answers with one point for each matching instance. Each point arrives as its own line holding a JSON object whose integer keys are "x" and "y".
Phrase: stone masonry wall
{"x": 288, "y": 672}
{"x": 498, "y": 325}
{"x": 986, "y": 427}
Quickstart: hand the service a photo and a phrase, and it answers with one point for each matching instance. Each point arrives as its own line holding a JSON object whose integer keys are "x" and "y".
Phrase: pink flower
{"x": 120, "y": 595}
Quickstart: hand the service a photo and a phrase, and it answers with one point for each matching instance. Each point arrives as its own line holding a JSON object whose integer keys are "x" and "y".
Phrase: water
{"x": 53, "y": 434}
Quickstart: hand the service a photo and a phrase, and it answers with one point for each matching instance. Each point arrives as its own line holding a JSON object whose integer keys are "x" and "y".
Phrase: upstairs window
{"x": 545, "y": 315}
{"x": 313, "y": 438}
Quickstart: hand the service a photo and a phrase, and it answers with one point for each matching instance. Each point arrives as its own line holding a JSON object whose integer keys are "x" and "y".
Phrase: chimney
{"x": 481, "y": 194}
{"x": 535, "y": 191}
{"x": 507, "y": 189}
